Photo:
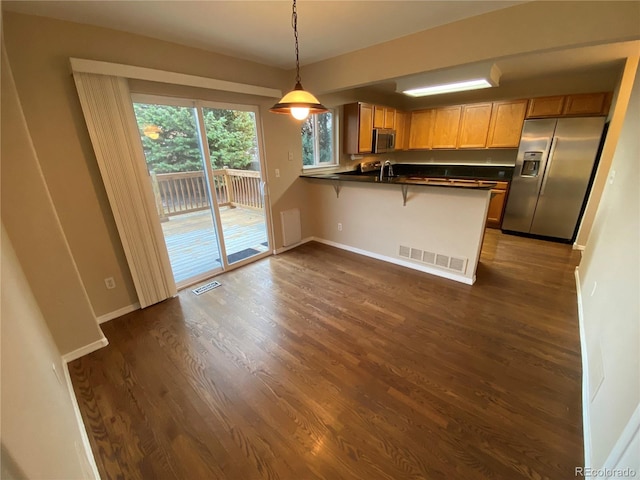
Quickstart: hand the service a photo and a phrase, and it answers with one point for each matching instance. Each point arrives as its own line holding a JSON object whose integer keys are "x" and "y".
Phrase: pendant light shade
{"x": 298, "y": 102}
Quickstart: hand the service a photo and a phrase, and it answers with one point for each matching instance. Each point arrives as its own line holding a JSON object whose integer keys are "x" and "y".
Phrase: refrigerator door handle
{"x": 552, "y": 151}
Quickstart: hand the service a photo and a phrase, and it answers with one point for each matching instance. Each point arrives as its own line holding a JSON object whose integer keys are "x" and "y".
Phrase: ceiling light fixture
{"x": 449, "y": 88}
{"x": 298, "y": 102}
{"x": 456, "y": 79}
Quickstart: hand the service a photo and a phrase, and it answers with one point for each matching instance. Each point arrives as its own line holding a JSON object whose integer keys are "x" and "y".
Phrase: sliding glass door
{"x": 205, "y": 167}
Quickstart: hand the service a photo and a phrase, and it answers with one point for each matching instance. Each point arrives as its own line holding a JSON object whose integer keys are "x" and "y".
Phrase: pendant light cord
{"x": 294, "y": 23}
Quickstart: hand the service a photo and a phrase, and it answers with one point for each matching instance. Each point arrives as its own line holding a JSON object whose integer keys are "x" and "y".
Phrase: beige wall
{"x": 39, "y": 51}
{"x": 40, "y": 435}
{"x": 448, "y": 221}
{"x": 530, "y": 27}
{"x": 33, "y": 226}
{"x": 610, "y": 282}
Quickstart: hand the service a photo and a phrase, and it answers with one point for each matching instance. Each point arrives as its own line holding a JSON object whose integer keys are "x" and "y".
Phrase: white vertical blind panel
{"x": 107, "y": 108}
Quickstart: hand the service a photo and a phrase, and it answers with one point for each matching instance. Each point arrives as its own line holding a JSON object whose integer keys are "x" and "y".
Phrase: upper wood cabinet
{"x": 446, "y": 121}
{"x": 358, "y": 127}
{"x": 587, "y": 104}
{"x": 570, "y": 105}
{"x": 507, "y": 119}
{"x": 420, "y": 127}
{"x": 384, "y": 117}
{"x": 474, "y": 125}
{"x": 546, "y": 106}
{"x": 402, "y": 130}
{"x": 479, "y": 125}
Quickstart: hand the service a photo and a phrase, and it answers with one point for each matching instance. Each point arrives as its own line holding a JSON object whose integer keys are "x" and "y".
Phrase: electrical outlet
{"x": 277, "y": 173}
{"x": 110, "y": 283}
{"x": 612, "y": 177}
{"x": 291, "y": 156}
{"x": 339, "y": 227}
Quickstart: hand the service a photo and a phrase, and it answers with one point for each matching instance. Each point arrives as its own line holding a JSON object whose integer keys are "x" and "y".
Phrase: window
{"x": 319, "y": 140}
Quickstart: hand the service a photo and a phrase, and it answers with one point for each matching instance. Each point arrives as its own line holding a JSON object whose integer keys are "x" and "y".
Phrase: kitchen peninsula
{"x": 435, "y": 225}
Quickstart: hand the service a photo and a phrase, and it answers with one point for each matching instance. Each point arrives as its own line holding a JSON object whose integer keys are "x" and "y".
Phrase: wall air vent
{"x": 429, "y": 257}
{"x": 439, "y": 260}
{"x": 442, "y": 261}
{"x": 458, "y": 264}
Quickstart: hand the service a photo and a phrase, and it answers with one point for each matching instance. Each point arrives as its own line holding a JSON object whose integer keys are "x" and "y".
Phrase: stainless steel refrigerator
{"x": 552, "y": 175}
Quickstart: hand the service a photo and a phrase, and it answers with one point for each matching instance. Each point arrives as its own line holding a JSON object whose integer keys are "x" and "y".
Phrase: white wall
{"x": 41, "y": 438}
{"x": 609, "y": 280}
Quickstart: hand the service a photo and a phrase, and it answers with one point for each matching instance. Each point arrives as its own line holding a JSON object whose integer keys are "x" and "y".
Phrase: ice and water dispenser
{"x": 531, "y": 164}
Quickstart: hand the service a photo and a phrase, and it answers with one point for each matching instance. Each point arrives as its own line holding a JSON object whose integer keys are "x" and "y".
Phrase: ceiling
{"x": 261, "y": 31}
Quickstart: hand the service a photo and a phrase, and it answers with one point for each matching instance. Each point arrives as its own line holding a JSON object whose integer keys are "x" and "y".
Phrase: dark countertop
{"x": 449, "y": 176}
{"x": 403, "y": 180}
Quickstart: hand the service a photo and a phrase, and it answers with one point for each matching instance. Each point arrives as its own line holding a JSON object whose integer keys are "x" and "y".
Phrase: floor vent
{"x": 436, "y": 259}
{"x": 206, "y": 287}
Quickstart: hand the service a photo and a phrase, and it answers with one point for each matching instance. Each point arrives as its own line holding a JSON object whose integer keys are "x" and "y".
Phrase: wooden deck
{"x": 193, "y": 244}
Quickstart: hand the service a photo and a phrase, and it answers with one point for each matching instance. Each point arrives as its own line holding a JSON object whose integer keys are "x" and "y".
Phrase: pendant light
{"x": 298, "y": 102}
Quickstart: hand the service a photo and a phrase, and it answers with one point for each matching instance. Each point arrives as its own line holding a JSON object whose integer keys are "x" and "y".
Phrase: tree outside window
{"x": 318, "y": 140}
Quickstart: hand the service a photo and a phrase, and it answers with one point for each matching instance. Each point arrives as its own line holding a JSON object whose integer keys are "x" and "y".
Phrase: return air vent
{"x": 429, "y": 257}
{"x": 457, "y": 264}
{"x": 442, "y": 260}
{"x": 439, "y": 260}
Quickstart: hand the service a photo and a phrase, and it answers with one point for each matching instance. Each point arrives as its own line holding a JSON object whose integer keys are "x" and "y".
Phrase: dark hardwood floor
{"x": 322, "y": 364}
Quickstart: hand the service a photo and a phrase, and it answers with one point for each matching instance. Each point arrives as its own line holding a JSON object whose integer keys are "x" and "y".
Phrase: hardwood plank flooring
{"x": 323, "y": 364}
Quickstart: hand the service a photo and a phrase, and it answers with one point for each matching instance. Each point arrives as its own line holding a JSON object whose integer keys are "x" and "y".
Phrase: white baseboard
{"x": 586, "y": 400}
{"x": 290, "y": 247}
{"x": 118, "y": 313}
{"x": 631, "y": 430}
{"x": 87, "y": 349}
{"x": 88, "y": 452}
{"x": 397, "y": 261}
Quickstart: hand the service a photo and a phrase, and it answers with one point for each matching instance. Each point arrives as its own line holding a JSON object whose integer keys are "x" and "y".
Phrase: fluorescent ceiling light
{"x": 448, "y": 88}
{"x": 457, "y": 79}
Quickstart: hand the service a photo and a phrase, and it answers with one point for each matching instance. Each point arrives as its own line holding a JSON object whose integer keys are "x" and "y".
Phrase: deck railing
{"x": 185, "y": 192}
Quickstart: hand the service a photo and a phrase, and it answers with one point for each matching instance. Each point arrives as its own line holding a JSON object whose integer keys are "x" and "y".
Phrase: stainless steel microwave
{"x": 384, "y": 140}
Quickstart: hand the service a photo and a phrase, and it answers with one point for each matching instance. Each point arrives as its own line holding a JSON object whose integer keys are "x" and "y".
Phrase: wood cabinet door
{"x": 365, "y": 128}
{"x": 446, "y": 122}
{"x": 474, "y": 125}
{"x": 378, "y": 116}
{"x": 402, "y": 130}
{"x": 587, "y": 104}
{"x": 420, "y": 126}
{"x": 496, "y": 207}
{"x": 389, "y": 118}
{"x": 546, "y": 106}
{"x": 507, "y": 119}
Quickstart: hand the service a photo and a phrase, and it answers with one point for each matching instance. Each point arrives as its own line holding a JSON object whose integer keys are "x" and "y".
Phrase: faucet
{"x": 387, "y": 163}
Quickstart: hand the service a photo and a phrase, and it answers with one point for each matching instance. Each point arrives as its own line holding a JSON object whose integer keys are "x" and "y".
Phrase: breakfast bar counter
{"x": 437, "y": 228}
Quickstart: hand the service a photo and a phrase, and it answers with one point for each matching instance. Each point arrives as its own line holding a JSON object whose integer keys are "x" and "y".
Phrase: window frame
{"x": 335, "y": 114}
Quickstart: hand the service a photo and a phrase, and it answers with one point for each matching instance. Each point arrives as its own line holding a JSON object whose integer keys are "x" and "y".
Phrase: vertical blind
{"x": 108, "y": 112}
